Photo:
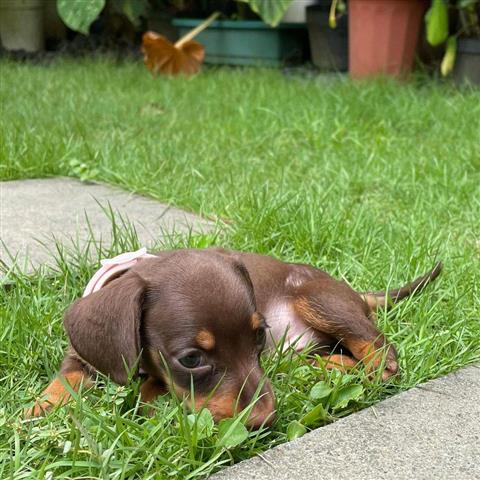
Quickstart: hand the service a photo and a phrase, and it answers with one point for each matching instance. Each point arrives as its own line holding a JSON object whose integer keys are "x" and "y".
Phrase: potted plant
{"x": 383, "y": 36}
{"x": 247, "y": 40}
{"x": 328, "y": 34}
{"x": 21, "y": 24}
{"x": 460, "y": 36}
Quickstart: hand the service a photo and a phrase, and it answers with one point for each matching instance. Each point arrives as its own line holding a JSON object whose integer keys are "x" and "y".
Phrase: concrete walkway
{"x": 429, "y": 432}
{"x": 34, "y": 211}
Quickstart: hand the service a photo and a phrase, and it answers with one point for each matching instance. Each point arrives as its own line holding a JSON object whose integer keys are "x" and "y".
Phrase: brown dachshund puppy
{"x": 203, "y": 317}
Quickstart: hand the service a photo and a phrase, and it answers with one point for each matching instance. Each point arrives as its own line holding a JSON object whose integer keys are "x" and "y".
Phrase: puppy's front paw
{"x": 56, "y": 393}
{"x": 39, "y": 409}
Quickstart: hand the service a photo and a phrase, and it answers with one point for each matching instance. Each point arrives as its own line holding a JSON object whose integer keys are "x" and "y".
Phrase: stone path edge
{"x": 430, "y": 431}
{"x": 36, "y": 211}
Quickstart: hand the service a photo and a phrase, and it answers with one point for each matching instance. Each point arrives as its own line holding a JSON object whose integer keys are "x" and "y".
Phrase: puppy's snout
{"x": 263, "y": 411}
{"x": 227, "y": 404}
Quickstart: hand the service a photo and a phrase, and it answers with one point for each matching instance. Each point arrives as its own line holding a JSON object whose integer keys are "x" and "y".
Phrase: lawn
{"x": 373, "y": 182}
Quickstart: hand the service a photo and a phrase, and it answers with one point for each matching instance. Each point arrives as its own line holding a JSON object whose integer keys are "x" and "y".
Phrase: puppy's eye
{"x": 192, "y": 360}
{"x": 261, "y": 337}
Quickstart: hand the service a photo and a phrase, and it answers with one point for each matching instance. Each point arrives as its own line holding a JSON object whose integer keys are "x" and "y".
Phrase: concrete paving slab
{"x": 429, "y": 432}
{"x": 41, "y": 209}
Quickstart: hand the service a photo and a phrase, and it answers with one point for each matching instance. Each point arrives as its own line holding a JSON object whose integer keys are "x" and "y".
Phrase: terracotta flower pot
{"x": 383, "y": 36}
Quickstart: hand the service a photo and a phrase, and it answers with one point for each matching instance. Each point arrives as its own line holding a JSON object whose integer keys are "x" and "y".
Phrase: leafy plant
{"x": 79, "y": 15}
{"x": 270, "y": 11}
{"x": 82, "y": 170}
{"x": 337, "y": 9}
{"x": 439, "y": 29}
{"x": 326, "y": 399}
{"x": 437, "y": 22}
{"x": 230, "y": 432}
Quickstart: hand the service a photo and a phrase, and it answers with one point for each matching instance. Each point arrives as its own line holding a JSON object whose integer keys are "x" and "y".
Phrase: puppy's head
{"x": 186, "y": 317}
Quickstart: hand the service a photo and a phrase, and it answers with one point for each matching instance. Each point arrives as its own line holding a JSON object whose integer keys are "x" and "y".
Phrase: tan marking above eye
{"x": 256, "y": 321}
{"x": 205, "y": 339}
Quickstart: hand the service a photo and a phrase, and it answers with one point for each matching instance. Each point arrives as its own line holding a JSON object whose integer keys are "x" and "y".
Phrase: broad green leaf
{"x": 79, "y": 15}
{"x": 295, "y": 429}
{"x": 231, "y": 432}
{"x": 302, "y": 372}
{"x": 346, "y": 379}
{"x": 271, "y": 11}
{"x": 449, "y": 58}
{"x": 320, "y": 390}
{"x": 436, "y": 20}
{"x": 315, "y": 415}
{"x": 346, "y": 394}
{"x": 203, "y": 421}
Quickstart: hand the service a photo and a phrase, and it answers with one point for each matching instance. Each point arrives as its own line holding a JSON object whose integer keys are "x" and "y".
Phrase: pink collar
{"x": 113, "y": 266}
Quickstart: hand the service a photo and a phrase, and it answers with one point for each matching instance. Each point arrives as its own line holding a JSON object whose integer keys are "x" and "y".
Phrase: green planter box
{"x": 248, "y": 42}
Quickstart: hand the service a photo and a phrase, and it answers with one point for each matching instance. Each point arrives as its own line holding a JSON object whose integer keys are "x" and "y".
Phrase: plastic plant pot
{"x": 249, "y": 42}
{"x": 21, "y": 24}
{"x": 383, "y": 36}
{"x": 329, "y": 46}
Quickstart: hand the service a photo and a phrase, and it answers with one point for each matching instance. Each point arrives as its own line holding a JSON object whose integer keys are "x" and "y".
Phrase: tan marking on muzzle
{"x": 225, "y": 405}
{"x": 221, "y": 405}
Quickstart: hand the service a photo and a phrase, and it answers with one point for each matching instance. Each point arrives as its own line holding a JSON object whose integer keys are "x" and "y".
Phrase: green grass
{"x": 372, "y": 182}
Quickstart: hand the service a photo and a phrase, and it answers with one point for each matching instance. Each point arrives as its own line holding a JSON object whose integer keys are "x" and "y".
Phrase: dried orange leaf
{"x": 161, "y": 56}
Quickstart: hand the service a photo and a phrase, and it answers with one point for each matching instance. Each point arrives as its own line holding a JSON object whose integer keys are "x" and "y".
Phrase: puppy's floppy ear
{"x": 104, "y": 327}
